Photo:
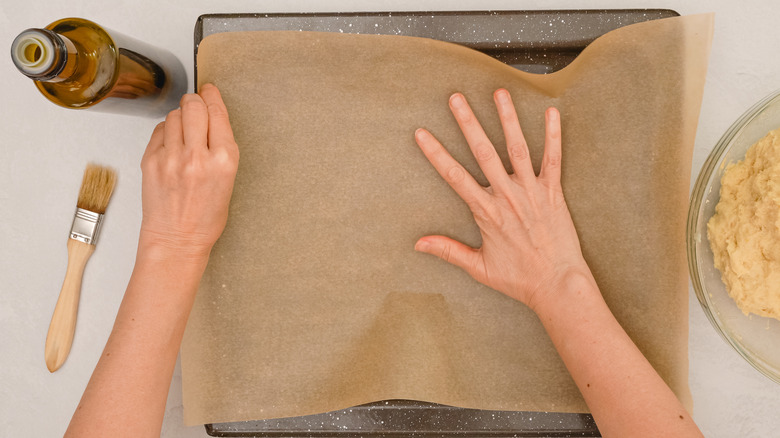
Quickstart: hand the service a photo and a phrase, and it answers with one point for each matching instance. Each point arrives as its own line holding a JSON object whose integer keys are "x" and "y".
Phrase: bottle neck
{"x": 43, "y": 55}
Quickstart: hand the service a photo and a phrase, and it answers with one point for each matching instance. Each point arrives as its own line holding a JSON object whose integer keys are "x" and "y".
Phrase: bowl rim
{"x": 697, "y": 195}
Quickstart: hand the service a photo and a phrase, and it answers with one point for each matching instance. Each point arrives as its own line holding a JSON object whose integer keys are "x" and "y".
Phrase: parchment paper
{"x": 314, "y": 299}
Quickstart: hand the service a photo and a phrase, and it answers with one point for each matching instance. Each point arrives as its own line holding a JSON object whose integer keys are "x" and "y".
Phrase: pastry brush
{"x": 95, "y": 192}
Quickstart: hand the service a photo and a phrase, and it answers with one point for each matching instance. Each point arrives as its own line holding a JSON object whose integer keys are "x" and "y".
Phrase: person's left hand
{"x": 189, "y": 168}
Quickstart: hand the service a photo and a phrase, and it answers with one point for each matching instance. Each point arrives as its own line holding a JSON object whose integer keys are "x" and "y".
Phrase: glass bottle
{"x": 77, "y": 64}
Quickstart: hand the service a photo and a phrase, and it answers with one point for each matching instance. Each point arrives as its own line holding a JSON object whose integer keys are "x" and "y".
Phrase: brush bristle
{"x": 96, "y": 188}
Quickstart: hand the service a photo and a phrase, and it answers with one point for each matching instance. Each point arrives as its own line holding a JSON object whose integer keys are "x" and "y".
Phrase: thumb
{"x": 451, "y": 251}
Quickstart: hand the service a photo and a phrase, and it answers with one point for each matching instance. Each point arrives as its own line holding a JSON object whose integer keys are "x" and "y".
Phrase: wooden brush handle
{"x": 63, "y": 321}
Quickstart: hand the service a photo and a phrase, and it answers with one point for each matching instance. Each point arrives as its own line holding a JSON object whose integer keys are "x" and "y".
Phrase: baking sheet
{"x": 314, "y": 299}
{"x": 538, "y": 41}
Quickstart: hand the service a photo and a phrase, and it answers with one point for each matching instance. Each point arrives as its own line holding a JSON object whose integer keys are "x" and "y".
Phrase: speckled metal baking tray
{"x": 533, "y": 41}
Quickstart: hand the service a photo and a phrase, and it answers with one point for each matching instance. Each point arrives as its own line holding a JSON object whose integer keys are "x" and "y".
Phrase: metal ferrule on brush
{"x": 86, "y": 226}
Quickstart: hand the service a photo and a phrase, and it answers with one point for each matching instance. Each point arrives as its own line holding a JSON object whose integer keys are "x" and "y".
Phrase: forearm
{"x": 129, "y": 387}
{"x": 626, "y": 395}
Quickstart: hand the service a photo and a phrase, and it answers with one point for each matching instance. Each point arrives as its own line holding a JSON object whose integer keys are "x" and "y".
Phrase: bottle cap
{"x": 39, "y": 53}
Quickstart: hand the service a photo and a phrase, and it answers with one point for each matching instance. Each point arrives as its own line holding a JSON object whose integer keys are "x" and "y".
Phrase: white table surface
{"x": 44, "y": 150}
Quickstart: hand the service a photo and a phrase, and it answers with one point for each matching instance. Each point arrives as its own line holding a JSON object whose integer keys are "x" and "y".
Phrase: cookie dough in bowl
{"x": 744, "y": 232}
{"x": 723, "y": 238}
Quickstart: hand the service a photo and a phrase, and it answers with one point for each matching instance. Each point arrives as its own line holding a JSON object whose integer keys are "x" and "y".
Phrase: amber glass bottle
{"x": 77, "y": 64}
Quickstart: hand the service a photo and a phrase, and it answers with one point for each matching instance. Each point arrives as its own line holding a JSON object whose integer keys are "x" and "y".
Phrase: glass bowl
{"x": 755, "y": 338}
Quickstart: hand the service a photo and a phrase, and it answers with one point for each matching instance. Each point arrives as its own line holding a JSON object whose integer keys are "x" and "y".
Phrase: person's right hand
{"x": 530, "y": 248}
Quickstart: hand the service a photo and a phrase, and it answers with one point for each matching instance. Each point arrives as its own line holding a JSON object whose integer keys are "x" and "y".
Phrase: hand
{"x": 188, "y": 172}
{"x": 529, "y": 244}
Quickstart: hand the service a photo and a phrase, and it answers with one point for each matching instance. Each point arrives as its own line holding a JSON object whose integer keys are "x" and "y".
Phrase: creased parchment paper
{"x": 314, "y": 299}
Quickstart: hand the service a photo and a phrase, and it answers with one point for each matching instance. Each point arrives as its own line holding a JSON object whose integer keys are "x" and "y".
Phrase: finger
{"x": 195, "y": 121}
{"x": 220, "y": 132}
{"x": 551, "y": 161}
{"x": 173, "y": 136}
{"x": 480, "y": 145}
{"x": 451, "y": 251}
{"x": 516, "y": 146}
{"x": 156, "y": 140}
{"x": 453, "y": 173}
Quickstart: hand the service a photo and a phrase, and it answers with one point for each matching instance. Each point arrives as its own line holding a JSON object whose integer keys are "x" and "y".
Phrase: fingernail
{"x": 457, "y": 100}
{"x": 422, "y": 245}
{"x": 552, "y": 114}
{"x": 503, "y": 96}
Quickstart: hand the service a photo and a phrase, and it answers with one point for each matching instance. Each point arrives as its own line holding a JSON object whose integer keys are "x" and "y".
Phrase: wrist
{"x": 159, "y": 248}
{"x": 575, "y": 287}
